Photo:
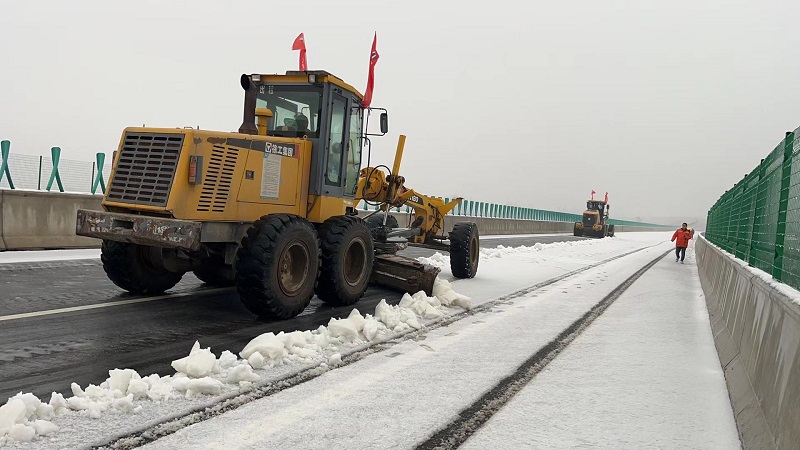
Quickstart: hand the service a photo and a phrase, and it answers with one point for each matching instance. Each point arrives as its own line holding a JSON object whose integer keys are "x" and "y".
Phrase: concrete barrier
{"x": 756, "y": 328}
{"x": 46, "y": 220}
{"x": 43, "y": 220}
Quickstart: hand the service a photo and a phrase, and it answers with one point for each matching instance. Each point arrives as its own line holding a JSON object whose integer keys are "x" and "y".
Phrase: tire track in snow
{"x": 473, "y": 417}
{"x": 169, "y": 425}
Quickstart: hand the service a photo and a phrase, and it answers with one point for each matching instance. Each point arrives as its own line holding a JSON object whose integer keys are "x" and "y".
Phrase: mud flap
{"x": 403, "y": 274}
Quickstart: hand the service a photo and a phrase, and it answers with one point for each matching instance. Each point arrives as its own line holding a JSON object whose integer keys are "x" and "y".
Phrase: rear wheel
{"x": 131, "y": 267}
{"x": 464, "y": 250}
{"x": 347, "y": 255}
{"x": 277, "y": 266}
{"x": 577, "y": 231}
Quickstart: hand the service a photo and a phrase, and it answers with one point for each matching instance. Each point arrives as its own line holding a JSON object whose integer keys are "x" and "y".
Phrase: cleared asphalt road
{"x": 43, "y": 352}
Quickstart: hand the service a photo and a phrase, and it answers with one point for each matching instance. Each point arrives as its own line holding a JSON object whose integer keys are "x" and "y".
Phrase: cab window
{"x": 296, "y": 109}
{"x": 336, "y": 145}
{"x": 354, "y": 153}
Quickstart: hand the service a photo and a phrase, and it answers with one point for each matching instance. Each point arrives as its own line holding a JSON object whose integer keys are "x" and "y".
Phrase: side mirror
{"x": 384, "y": 123}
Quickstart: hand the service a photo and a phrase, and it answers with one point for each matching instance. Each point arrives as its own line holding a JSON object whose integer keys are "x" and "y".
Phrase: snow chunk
{"x": 344, "y": 328}
{"x": 22, "y": 433}
{"x": 76, "y": 390}
{"x": 121, "y": 379}
{"x": 242, "y": 372}
{"x": 268, "y": 345}
{"x": 124, "y": 404}
{"x": 227, "y": 359}
{"x": 14, "y": 412}
{"x": 199, "y": 364}
{"x": 138, "y": 388}
{"x": 206, "y": 385}
{"x": 44, "y": 427}
{"x": 335, "y": 359}
{"x": 58, "y": 402}
{"x": 445, "y": 293}
{"x": 256, "y": 361}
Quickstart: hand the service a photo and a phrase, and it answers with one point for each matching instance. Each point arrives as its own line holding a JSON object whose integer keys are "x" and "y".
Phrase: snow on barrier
{"x": 756, "y": 325}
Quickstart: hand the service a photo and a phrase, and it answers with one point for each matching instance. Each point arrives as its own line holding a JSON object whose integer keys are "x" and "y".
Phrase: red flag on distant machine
{"x": 373, "y": 59}
{"x": 606, "y": 200}
{"x": 593, "y": 192}
{"x": 300, "y": 44}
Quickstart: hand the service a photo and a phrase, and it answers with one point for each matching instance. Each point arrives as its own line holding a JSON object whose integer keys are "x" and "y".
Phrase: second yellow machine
{"x": 272, "y": 208}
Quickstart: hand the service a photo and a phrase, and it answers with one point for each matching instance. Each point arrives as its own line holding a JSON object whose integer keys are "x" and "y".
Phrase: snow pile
{"x": 439, "y": 260}
{"x": 201, "y": 373}
{"x": 25, "y": 416}
{"x": 269, "y": 349}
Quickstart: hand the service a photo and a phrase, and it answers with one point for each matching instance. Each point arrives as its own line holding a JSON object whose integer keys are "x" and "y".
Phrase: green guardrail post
{"x": 783, "y": 203}
{"x": 5, "y": 149}
{"x": 55, "y": 152}
{"x": 99, "y": 179}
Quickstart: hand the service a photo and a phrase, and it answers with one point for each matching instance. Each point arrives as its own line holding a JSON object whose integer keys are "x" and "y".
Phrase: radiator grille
{"x": 217, "y": 179}
{"x": 146, "y": 168}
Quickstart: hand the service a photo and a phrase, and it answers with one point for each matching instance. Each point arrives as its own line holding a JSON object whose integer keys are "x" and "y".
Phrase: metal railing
{"x": 758, "y": 219}
{"x": 19, "y": 171}
{"x": 51, "y": 173}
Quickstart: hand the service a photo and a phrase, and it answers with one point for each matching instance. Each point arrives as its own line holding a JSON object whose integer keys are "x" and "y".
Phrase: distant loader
{"x": 594, "y": 221}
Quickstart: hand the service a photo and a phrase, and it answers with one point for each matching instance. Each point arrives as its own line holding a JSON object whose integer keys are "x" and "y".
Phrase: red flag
{"x": 593, "y": 192}
{"x": 373, "y": 59}
{"x": 300, "y": 44}
{"x": 606, "y": 200}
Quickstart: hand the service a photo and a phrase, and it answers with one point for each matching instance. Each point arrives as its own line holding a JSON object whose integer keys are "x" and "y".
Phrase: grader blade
{"x": 403, "y": 274}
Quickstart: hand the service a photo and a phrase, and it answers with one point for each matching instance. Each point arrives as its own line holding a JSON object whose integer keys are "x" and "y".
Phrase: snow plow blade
{"x": 403, "y": 274}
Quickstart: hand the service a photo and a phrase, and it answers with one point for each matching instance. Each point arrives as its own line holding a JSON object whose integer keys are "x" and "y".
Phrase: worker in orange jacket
{"x": 683, "y": 236}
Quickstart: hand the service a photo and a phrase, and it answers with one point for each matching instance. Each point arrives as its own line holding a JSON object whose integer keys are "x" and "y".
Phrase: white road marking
{"x": 106, "y": 305}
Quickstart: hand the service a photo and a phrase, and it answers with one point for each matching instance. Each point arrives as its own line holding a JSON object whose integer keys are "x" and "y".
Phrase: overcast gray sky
{"x": 662, "y": 104}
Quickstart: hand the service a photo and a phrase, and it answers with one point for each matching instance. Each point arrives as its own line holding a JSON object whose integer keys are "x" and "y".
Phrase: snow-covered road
{"x": 644, "y": 375}
{"x": 399, "y": 397}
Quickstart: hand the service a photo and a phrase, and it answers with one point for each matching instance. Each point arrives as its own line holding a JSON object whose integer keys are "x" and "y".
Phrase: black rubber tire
{"x": 464, "y": 250}
{"x": 274, "y": 247}
{"x": 577, "y": 232}
{"x": 214, "y": 272}
{"x": 129, "y": 267}
{"x": 347, "y": 254}
{"x": 611, "y": 230}
{"x": 377, "y": 220}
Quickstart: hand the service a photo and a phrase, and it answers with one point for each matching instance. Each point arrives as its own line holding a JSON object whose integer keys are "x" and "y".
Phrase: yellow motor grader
{"x": 271, "y": 209}
{"x": 594, "y": 221}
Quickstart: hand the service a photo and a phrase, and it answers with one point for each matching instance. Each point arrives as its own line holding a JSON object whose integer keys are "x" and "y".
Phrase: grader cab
{"x": 594, "y": 221}
{"x": 270, "y": 209}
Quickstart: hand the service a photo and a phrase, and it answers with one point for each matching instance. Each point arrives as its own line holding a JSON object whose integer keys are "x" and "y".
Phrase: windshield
{"x": 296, "y": 109}
{"x": 595, "y": 205}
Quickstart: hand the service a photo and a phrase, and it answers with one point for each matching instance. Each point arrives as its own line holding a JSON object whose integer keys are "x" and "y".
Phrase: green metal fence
{"x": 472, "y": 208}
{"x": 51, "y": 173}
{"x": 758, "y": 219}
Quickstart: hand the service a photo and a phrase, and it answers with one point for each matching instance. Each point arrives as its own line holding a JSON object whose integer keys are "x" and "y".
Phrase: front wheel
{"x": 277, "y": 266}
{"x": 464, "y": 250}
{"x": 131, "y": 267}
{"x": 347, "y": 257}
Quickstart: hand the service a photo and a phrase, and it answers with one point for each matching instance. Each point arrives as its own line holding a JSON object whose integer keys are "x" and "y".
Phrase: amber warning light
{"x": 195, "y": 169}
